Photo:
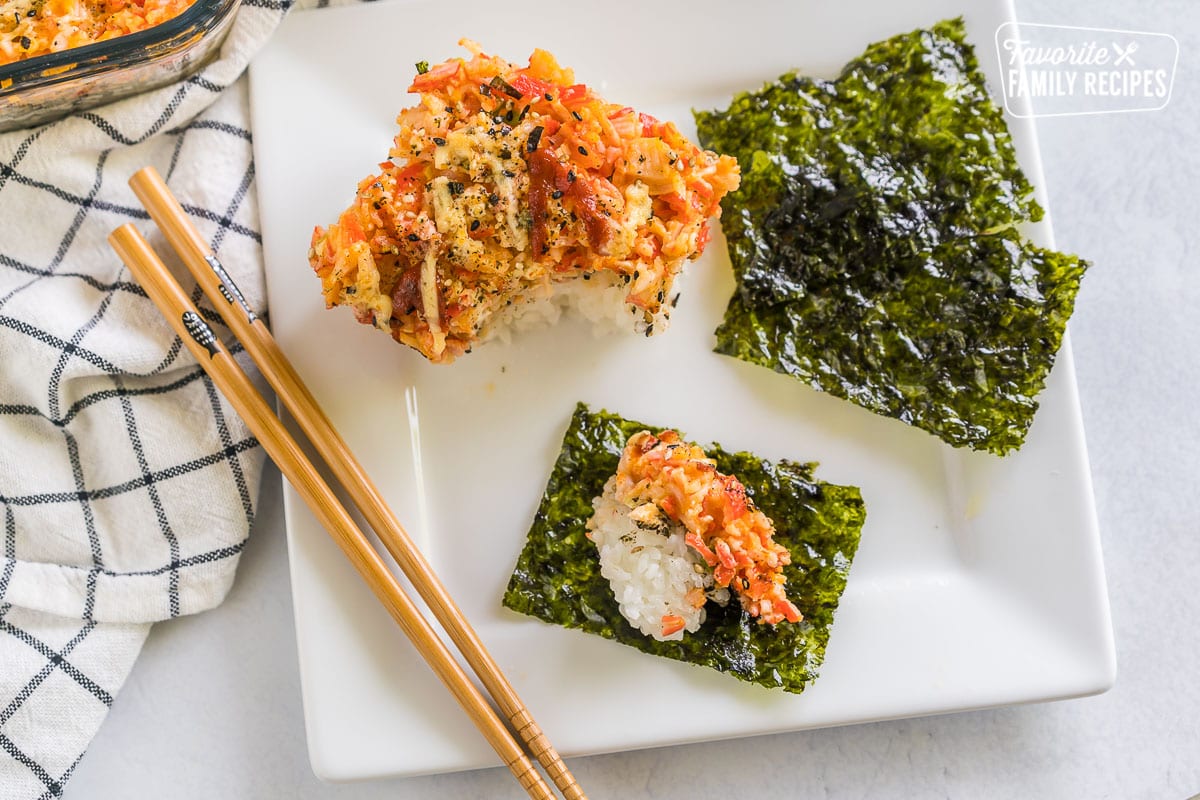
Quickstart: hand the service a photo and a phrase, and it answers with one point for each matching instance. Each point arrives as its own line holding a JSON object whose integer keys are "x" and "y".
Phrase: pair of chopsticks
{"x": 507, "y": 725}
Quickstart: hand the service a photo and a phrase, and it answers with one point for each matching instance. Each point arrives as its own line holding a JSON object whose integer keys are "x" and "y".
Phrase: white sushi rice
{"x": 600, "y": 299}
{"x": 649, "y": 566}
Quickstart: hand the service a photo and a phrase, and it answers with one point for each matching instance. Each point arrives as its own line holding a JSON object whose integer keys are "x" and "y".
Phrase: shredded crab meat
{"x": 733, "y": 537}
{"x": 505, "y": 181}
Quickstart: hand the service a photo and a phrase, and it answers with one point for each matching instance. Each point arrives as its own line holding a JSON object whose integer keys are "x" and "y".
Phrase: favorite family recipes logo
{"x": 1056, "y": 70}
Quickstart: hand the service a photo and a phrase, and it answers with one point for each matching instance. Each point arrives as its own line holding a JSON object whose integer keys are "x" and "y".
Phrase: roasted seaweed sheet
{"x": 557, "y": 577}
{"x": 876, "y": 246}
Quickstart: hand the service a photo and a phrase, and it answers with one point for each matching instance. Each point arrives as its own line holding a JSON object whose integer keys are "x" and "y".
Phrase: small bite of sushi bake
{"x": 674, "y": 533}
{"x": 513, "y": 191}
{"x": 719, "y": 559}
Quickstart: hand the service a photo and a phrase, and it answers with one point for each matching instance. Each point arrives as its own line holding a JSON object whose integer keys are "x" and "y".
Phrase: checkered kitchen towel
{"x": 127, "y": 485}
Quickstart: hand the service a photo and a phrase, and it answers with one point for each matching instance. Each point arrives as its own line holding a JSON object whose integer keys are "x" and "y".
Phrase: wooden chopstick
{"x": 300, "y": 472}
{"x": 171, "y": 219}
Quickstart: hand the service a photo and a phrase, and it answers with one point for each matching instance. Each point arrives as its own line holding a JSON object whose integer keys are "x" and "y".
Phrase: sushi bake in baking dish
{"x": 511, "y": 191}
{"x": 32, "y": 28}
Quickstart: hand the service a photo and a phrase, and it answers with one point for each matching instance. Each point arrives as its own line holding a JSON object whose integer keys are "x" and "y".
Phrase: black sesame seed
{"x": 549, "y": 99}
{"x": 582, "y": 150}
{"x": 556, "y": 195}
{"x": 26, "y": 42}
{"x": 577, "y": 116}
{"x": 439, "y": 141}
{"x": 474, "y": 224}
{"x": 571, "y": 176}
{"x": 412, "y": 237}
{"x": 508, "y": 173}
{"x": 493, "y": 199}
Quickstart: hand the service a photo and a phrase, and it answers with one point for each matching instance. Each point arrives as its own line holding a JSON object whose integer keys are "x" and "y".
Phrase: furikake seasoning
{"x": 876, "y": 242}
{"x": 557, "y": 577}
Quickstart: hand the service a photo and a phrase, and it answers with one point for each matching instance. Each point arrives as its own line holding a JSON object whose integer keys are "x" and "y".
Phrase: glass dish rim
{"x": 25, "y": 74}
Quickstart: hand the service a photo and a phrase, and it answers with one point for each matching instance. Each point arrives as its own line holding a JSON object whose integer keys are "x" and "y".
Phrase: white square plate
{"x": 978, "y": 581}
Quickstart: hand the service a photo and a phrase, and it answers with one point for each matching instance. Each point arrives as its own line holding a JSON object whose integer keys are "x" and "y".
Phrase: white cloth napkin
{"x": 127, "y": 485}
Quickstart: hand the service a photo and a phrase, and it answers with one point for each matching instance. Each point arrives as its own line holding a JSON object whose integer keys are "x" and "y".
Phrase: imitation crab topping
{"x": 663, "y": 474}
{"x": 505, "y": 181}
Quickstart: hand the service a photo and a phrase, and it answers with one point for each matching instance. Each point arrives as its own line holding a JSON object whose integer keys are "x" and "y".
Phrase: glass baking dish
{"x": 53, "y": 85}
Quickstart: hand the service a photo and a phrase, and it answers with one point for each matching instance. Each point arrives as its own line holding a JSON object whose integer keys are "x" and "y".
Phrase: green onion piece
{"x": 501, "y": 85}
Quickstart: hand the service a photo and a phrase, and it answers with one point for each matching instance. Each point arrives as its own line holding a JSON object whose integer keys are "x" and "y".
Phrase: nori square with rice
{"x": 557, "y": 577}
{"x": 876, "y": 242}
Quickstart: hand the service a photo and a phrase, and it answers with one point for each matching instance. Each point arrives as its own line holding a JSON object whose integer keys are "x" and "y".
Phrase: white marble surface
{"x": 212, "y": 708}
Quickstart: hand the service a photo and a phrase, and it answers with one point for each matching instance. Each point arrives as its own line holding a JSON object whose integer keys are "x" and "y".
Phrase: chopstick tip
{"x": 122, "y": 234}
{"x": 146, "y": 178}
